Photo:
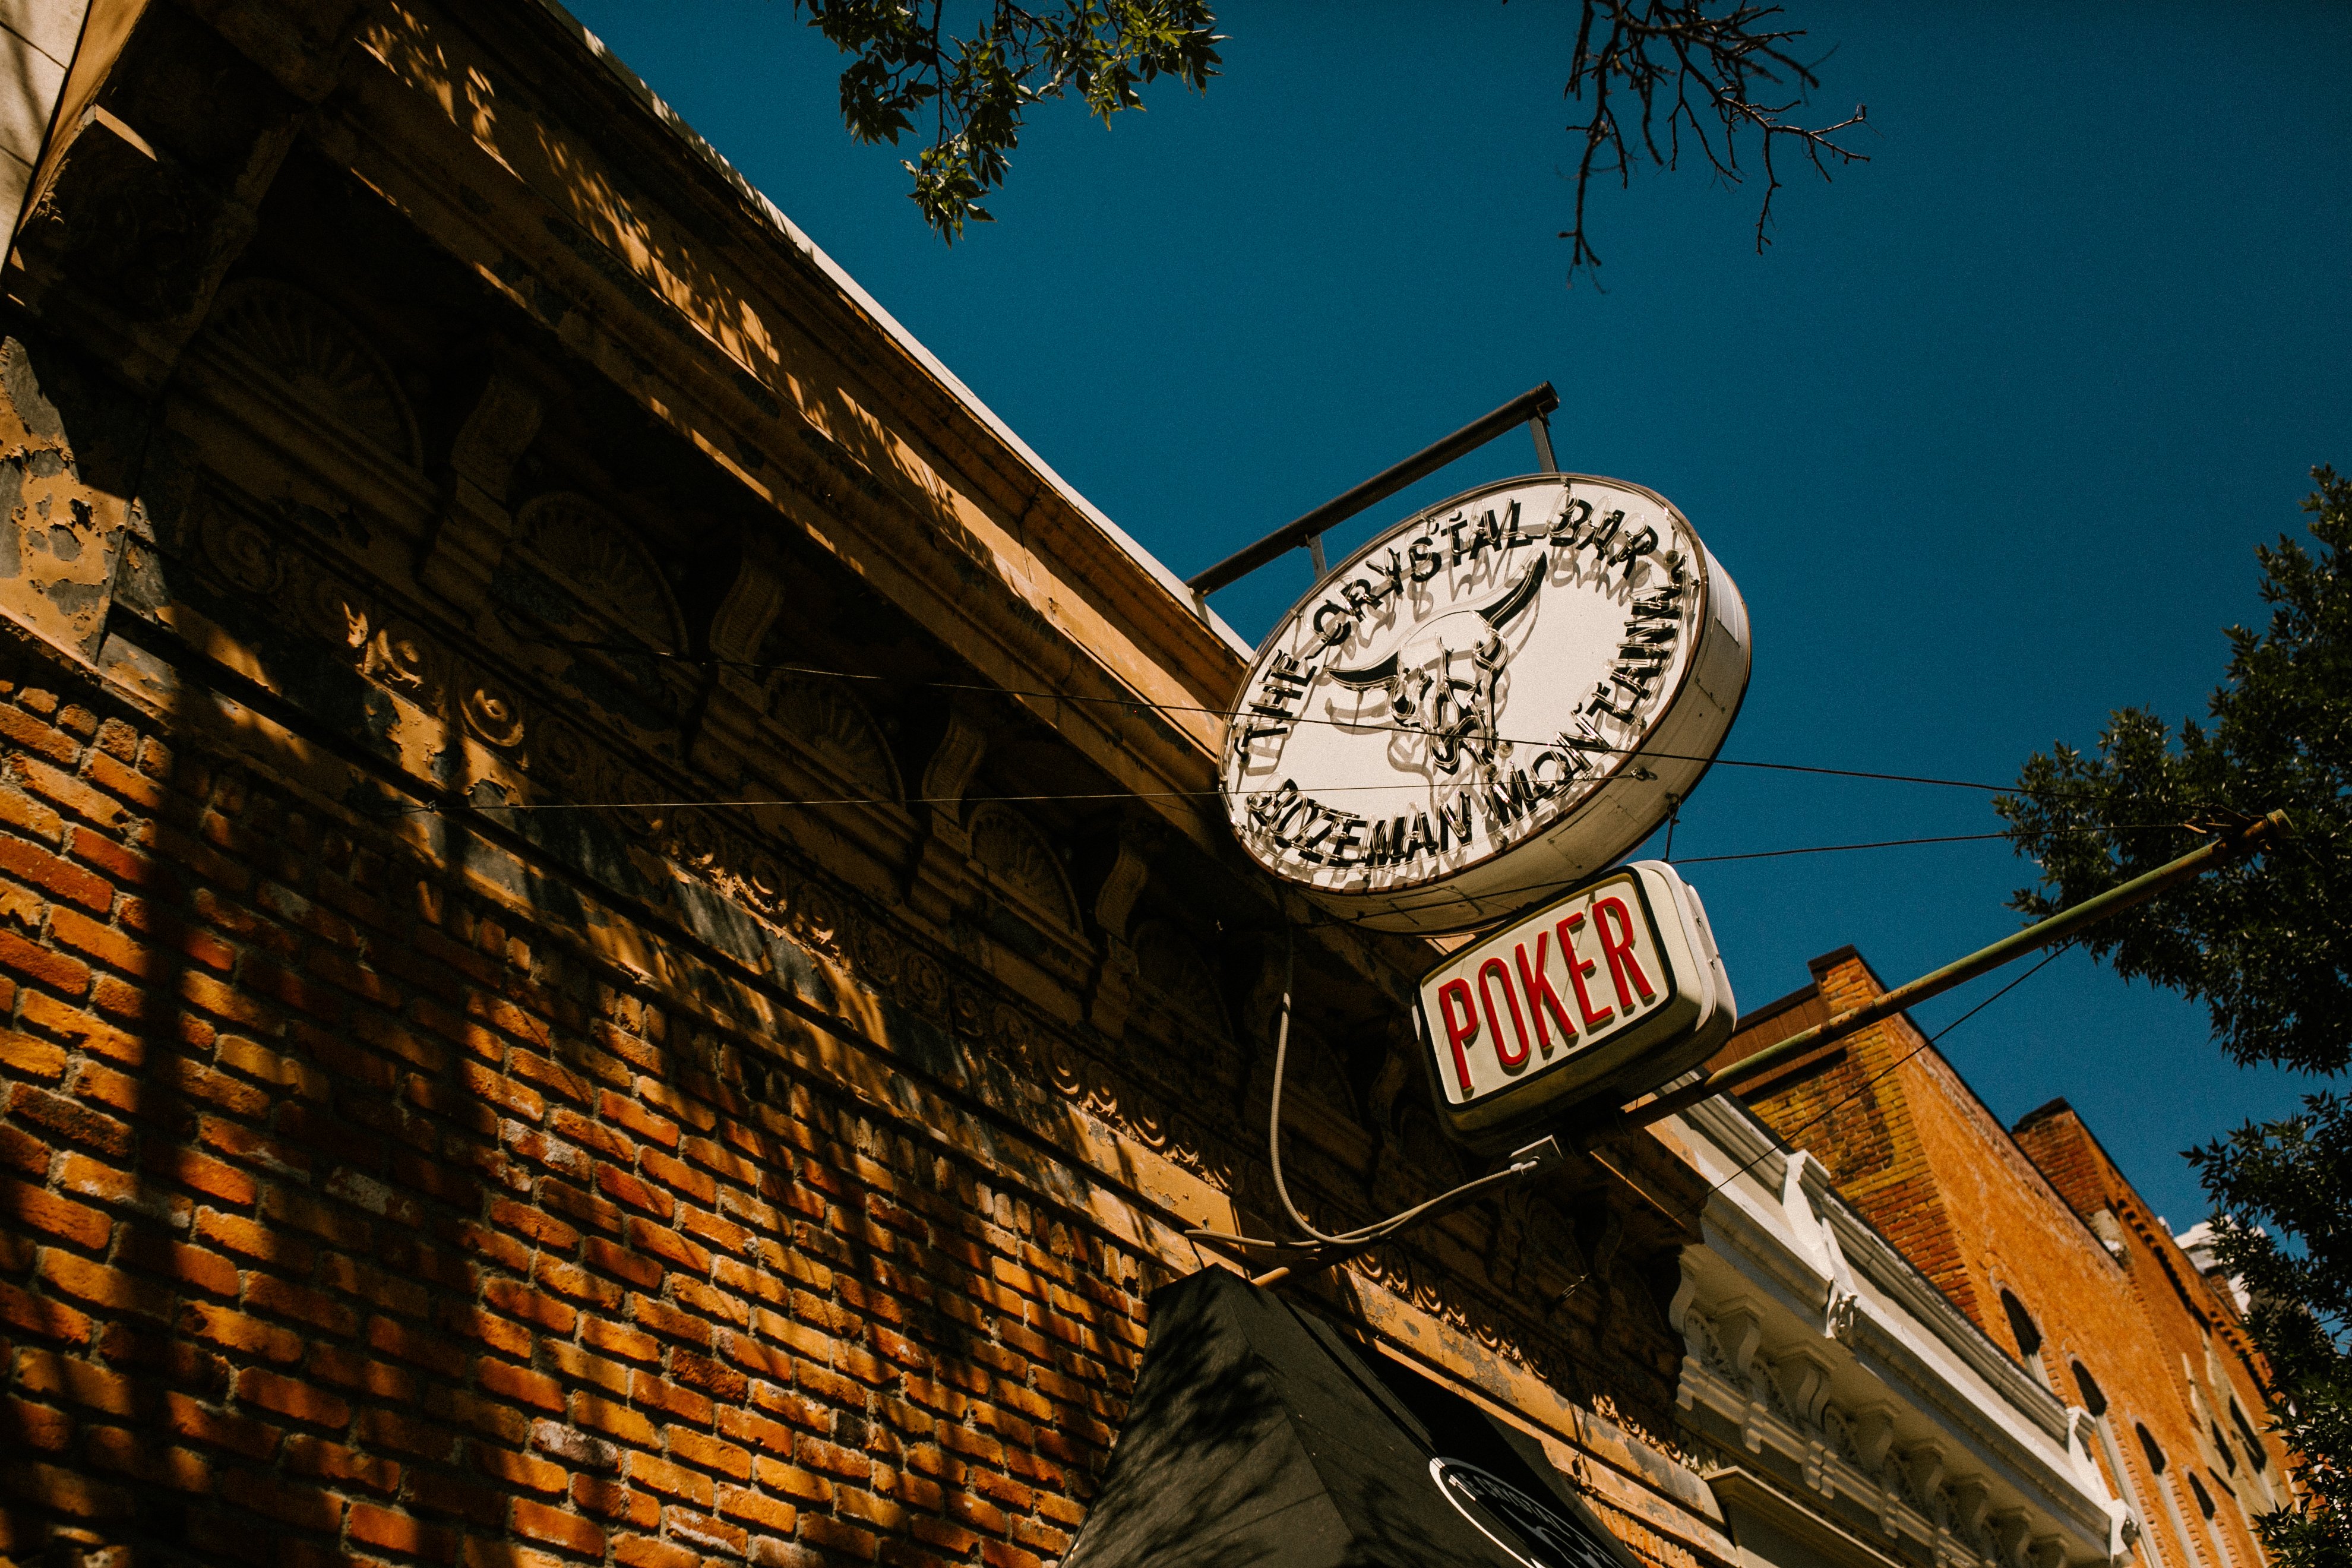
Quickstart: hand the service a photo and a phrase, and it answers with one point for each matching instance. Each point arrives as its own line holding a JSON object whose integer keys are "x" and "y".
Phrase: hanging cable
{"x": 1364, "y": 1235}
{"x": 1350, "y": 1242}
{"x": 1281, "y": 1062}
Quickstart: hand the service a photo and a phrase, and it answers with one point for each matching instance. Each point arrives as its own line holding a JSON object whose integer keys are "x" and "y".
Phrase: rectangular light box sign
{"x": 1617, "y": 986}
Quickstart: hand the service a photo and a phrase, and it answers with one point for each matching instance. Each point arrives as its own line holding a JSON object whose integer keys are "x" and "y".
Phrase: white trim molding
{"x": 1861, "y": 1391}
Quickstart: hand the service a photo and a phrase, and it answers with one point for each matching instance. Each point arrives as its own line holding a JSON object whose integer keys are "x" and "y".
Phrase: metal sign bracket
{"x": 1528, "y": 408}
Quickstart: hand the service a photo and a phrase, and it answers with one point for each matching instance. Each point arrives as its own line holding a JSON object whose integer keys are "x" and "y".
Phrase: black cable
{"x": 1788, "y": 1139}
{"x": 1834, "y": 849}
{"x": 1439, "y": 896}
{"x": 1229, "y": 716}
{"x": 1379, "y": 1230}
{"x": 1402, "y": 905}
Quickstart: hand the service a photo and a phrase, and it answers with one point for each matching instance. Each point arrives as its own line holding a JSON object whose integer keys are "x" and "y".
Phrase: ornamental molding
{"x": 836, "y": 740}
{"x": 1808, "y": 1341}
{"x": 277, "y": 367}
{"x": 1776, "y": 1407}
{"x": 320, "y": 362}
{"x": 589, "y": 550}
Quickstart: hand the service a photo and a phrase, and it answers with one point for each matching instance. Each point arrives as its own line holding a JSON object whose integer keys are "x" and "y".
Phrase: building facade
{"x": 2034, "y": 1234}
{"x": 618, "y": 944}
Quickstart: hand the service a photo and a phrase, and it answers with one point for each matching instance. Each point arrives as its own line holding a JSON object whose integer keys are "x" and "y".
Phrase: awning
{"x": 1259, "y": 1435}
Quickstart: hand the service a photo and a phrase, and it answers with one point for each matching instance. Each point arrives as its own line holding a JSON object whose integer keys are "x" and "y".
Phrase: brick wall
{"x": 1984, "y": 1213}
{"x": 2189, "y": 1330}
{"x": 1853, "y": 1118}
{"x": 347, "y": 1215}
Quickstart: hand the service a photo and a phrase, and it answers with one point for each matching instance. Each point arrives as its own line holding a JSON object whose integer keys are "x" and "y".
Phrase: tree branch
{"x": 978, "y": 88}
{"x": 1711, "y": 75}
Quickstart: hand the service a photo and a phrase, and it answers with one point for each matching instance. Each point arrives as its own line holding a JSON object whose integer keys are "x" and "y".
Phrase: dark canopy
{"x": 1259, "y": 1435}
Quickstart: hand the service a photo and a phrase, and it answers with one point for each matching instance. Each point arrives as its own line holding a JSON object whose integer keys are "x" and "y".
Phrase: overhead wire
{"x": 1788, "y": 1139}
{"x": 1831, "y": 848}
{"x": 1368, "y": 1234}
{"x": 1230, "y": 715}
{"x": 1440, "y": 897}
{"x": 1401, "y": 905}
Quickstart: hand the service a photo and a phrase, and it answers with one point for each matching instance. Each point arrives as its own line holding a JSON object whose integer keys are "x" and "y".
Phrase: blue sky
{"x": 1987, "y": 436}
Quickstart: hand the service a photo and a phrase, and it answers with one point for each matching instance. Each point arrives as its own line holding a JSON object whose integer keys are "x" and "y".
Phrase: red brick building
{"x": 2034, "y": 1234}
{"x": 617, "y": 946}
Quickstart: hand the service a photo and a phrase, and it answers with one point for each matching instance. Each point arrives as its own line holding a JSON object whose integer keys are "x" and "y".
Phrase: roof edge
{"x": 786, "y": 229}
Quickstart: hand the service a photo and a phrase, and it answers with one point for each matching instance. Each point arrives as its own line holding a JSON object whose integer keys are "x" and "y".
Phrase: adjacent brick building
{"x": 615, "y": 947}
{"x": 2035, "y": 1234}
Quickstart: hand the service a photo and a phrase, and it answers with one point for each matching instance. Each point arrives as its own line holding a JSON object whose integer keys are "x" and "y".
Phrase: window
{"x": 2094, "y": 1399}
{"x": 2254, "y": 1440}
{"x": 2147, "y": 1441}
{"x": 2228, "y": 1455}
{"x": 2029, "y": 1338}
{"x": 2204, "y": 1497}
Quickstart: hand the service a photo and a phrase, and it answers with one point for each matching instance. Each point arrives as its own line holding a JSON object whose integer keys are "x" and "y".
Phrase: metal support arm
{"x": 1527, "y": 407}
{"x": 2226, "y": 846}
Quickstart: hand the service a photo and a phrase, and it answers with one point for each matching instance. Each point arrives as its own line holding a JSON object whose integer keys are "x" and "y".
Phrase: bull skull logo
{"x": 1454, "y": 713}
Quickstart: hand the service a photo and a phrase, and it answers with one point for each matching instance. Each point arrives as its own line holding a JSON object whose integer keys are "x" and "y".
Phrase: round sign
{"x": 1495, "y": 697}
{"x": 1532, "y": 1533}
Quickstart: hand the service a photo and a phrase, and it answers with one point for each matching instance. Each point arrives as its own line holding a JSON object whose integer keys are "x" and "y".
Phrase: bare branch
{"x": 1659, "y": 78}
{"x": 1717, "y": 70}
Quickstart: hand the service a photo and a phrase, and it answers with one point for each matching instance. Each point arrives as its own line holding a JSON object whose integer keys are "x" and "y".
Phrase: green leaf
{"x": 976, "y": 89}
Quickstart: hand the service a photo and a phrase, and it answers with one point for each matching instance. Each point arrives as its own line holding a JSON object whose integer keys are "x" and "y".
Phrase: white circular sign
{"x": 1495, "y": 697}
{"x": 1528, "y": 1531}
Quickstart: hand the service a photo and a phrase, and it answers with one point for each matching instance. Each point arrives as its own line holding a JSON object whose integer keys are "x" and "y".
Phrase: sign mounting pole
{"x": 2225, "y": 846}
{"x": 1529, "y": 407}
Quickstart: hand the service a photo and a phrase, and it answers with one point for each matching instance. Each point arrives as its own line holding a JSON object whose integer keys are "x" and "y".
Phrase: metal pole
{"x": 2225, "y": 846}
{"x": 1531, "y": 405}
{"x": 2228, "y": 846}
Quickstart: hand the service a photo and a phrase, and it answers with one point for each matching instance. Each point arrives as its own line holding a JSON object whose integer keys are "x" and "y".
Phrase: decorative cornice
{"x": 1810, "y": 1340}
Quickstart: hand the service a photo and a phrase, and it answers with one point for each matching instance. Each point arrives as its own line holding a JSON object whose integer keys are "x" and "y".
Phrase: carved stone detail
{"x": 1781, "y": 1406}
{"x": 493, "y": 715}
{"x": 1173, "y": 970}
{"x": 321, "y": 361}
{"x": 752, "y": 603}
{"x": 250, "y": 558}
{"x": 1021, "y": 863}
{"x": 596, "y": 555}
{"x": 504, "y": 422}
{"x": 241, "y": 551}
{"x": 475, "y": 526}
{"x": 825, "y": 723}
{"x": 1116, "y": 976}
{"x": 726, "y": 739}
{"x": 941, "y": 883}
{"x": 1115, "y": 902}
